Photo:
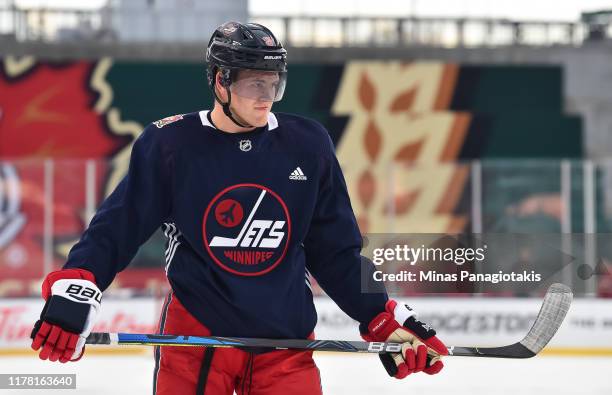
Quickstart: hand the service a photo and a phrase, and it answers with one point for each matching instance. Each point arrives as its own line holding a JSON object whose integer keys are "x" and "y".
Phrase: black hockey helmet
{"x": 245, "y": 46}
{"x": 235, "y": 46}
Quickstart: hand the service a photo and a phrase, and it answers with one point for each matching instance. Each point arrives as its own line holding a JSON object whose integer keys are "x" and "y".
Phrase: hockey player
{"x": 253, "y": 204}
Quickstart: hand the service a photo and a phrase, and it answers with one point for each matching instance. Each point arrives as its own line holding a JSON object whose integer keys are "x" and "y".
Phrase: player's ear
{"x": 221, "y": 90}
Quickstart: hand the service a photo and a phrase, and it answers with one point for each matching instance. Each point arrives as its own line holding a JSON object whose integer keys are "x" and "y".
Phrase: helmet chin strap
{"x": 226, "y": 108}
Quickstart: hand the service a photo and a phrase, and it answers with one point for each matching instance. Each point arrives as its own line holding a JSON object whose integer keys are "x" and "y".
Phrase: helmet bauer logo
{"x": 246, "y": 229}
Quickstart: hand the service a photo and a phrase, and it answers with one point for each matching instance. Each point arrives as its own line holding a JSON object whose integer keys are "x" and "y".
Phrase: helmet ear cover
{"x": 226, "y": 77}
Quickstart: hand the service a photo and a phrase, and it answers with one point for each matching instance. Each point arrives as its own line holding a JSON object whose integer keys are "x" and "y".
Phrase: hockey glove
{"x": 72, "y": 303}
{"x": 421, "y": 349}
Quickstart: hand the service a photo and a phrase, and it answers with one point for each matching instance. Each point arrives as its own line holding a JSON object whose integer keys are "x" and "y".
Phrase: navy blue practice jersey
{"x": 249, "y": 218}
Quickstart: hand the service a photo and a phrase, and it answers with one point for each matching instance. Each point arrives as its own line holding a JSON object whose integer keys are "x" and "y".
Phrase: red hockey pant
{"x": 221, "y": 371}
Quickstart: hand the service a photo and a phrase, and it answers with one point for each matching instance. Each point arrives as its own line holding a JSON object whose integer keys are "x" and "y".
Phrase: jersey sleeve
{"x": 129, "y": 215}
{"x": 333, "y": 246}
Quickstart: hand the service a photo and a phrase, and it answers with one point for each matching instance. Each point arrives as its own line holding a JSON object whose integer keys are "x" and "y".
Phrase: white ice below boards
{"x": 355, "y": 375}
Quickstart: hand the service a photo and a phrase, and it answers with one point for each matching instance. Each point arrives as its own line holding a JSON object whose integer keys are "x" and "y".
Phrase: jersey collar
{"x": 272, "y": 121}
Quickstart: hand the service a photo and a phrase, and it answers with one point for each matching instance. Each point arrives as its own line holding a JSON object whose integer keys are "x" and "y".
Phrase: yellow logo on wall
{"x": 399, "y": 135}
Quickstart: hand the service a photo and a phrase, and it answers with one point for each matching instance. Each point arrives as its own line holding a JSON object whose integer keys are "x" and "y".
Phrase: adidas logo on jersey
{"x": 298, "y": 175}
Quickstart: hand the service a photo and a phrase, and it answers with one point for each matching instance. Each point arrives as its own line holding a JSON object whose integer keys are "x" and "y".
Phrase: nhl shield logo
{"x": 245, "y": 145}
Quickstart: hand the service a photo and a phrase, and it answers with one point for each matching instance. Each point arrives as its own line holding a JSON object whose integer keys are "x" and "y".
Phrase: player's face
{"x": 253, "y": 93}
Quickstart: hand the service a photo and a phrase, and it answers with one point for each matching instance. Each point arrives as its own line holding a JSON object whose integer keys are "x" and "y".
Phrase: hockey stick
{"x": 554, "y": 308}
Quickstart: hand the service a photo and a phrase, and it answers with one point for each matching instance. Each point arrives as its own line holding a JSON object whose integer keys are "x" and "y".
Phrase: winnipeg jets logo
{"x": 245, "y": 145}
{"x": 229, "y": 28}
{"x": 246, "y": 229}
{"x": 268, "y": 41}
{"x": 251, "y": 233}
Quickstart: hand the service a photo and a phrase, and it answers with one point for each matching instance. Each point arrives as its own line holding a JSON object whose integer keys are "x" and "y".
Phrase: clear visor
{"x": 259, "y": 85}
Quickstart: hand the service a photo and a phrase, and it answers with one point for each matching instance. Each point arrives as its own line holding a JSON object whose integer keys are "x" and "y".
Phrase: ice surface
{"x": 355, "y": 374}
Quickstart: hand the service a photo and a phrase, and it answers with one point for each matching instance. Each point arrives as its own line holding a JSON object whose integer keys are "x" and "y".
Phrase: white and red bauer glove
{"x": 72, "y": 304}
{"x": 421, "y": 349}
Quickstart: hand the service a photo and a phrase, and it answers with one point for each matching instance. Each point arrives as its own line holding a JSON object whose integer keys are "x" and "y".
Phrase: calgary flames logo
{"x": 58, "y": 111}
{"x": 246, "y": 229}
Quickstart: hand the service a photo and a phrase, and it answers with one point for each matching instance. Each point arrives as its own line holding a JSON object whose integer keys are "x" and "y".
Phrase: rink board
{"x": 465, "y": 321}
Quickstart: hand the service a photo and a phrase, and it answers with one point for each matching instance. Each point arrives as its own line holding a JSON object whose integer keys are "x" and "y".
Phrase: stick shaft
{"x": 513, "y": 351}
{"x": 239, "y": 342}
